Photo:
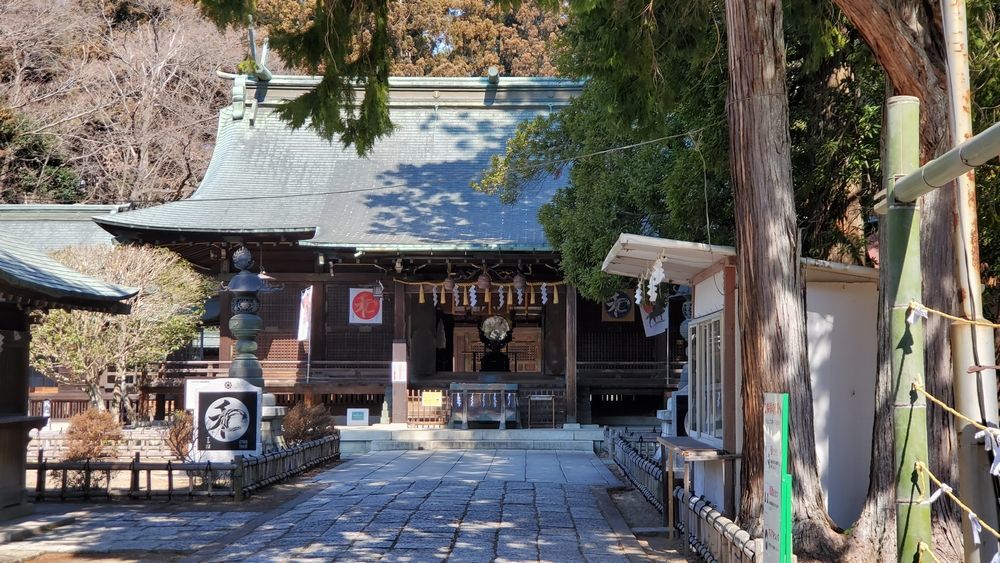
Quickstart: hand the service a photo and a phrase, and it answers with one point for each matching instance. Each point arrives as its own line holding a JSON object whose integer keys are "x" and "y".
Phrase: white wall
{"x": 842, "y": 353}
{"x": 708, "y": 295}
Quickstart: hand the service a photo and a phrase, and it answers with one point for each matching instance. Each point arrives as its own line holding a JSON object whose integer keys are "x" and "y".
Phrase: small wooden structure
{"x": 29, "y": 281}
{"x": 841, "y": 309}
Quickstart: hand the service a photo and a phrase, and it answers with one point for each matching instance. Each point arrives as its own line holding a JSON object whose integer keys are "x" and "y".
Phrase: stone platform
{"x": 390, "y": 437}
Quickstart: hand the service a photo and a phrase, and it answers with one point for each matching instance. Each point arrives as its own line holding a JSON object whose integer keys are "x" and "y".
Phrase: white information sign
{"x": 777, "y": 482}
{"x": 227, "y": 417}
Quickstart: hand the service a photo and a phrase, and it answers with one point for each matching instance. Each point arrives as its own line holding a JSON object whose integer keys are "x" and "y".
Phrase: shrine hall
{"x": 393, "y": 282}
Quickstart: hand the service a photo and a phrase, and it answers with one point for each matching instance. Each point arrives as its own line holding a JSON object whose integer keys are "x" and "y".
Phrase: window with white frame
{"x": 705, "y": 416}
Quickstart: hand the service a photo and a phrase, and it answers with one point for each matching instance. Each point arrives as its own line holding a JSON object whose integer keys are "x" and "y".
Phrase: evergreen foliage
{"x": 31, "y": 166}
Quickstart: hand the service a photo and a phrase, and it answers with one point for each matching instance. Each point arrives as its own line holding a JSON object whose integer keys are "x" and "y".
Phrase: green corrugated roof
{"x": 412, "y": 191}
{"x": 25, "y": 269}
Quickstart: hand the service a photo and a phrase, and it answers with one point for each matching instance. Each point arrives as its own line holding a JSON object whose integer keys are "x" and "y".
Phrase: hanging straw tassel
{"x": 486, "y": 297}
{"x": 510, "y": 296}
{"x": 421, "y": 298}
{"x": 465, "y": 297}
{"x": 532, "y": 292}
{"x": 443, "y": 294}
{"x": 555, "y": 294}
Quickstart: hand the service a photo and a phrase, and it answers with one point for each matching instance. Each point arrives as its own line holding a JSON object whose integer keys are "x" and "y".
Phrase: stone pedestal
{"x": 272, "y": 429}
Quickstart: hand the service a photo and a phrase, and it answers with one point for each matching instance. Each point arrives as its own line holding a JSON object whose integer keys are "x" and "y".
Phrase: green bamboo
{"x": 902, "y": 265}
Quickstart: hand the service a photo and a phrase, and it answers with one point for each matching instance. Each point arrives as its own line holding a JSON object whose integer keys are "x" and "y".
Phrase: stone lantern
{"x": 245, "y": 324}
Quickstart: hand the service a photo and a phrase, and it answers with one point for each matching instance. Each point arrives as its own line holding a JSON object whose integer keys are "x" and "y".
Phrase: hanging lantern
{"x": 420, "y": 297}
{"x": 555, "y": 294}
{"x": 484, "y": 281}
{"x": 519, "y": 281}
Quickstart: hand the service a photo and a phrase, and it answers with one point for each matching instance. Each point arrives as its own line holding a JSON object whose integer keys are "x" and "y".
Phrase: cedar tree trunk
{"x": 771, "y": 308}
{"x": 907, "y": 39}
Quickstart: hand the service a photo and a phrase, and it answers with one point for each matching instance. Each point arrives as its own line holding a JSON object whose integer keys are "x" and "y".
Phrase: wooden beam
{"x": 400, "y": 362}
{"x": 570, "y": 354}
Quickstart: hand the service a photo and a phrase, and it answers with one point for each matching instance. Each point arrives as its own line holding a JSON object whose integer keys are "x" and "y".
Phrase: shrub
{"x": 92, "y": 434}
{"x": 180, "y": 433}
{"x": 304, "y": 423}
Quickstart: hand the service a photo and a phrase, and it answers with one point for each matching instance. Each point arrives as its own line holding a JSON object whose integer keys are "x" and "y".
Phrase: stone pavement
{"x": 467, "y": 506}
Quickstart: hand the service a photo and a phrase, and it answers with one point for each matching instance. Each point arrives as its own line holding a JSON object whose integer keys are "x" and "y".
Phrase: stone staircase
{"x": 357, "y": 440}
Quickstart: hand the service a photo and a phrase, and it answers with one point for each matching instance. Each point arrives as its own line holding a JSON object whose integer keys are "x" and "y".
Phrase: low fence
{"x": 715, "y": 538}
{"x": 95, "y": 479}
{"x": 633, "y": 452}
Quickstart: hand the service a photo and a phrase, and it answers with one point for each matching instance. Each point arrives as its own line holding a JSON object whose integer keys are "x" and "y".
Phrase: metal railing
{"x": 95, "y": 479}
{"x": 633, "y": 453}
{"x": 715, "y": 538}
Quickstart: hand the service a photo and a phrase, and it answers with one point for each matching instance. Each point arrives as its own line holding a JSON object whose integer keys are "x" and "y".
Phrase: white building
{"x": 841, "y": 306}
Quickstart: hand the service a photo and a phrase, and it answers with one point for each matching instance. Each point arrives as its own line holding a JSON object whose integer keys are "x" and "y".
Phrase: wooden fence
{"x": 95, "y": 479}
{"x": 715, "y": 538}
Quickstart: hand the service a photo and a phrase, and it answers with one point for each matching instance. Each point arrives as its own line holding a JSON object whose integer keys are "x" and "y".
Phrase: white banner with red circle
{"x": 365, "y": 308}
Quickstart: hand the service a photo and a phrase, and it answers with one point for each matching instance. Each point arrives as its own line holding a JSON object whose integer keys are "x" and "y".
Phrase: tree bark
{"x": 771, "y": 310}
{"x": 907, "y": 39}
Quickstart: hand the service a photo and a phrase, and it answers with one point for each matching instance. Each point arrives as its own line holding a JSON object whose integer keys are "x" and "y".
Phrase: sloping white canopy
{"x": 633, "y": 256}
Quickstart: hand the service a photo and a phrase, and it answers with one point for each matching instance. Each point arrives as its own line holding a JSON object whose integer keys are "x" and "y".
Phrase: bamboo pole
{"x": 913, "y": 520}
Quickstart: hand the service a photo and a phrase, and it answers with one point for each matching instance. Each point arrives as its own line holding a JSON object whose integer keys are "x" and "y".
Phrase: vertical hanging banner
{"x": 777, "y": 480}
{"x": 365, "y": 308}
{"x": 227, "y": 417}
{"x": 305, "y": 314}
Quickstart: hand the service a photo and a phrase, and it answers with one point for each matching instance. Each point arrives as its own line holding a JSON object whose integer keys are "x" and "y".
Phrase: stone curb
{"x": 634, "y": 550}
{"x": 35, "y": 527}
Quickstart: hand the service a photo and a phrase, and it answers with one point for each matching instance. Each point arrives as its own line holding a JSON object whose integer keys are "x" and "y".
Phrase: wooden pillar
{"x": 730, "y": 394}
{"x": 570, "y": 354}
{"x": 400, "y": 367}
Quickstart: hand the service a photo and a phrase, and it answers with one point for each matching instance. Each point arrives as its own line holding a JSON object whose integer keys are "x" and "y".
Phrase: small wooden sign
{"x": 431, "y": 399}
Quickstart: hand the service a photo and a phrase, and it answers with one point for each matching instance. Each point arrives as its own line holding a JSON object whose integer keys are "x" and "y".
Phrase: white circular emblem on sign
{"x": 227, "y": 419}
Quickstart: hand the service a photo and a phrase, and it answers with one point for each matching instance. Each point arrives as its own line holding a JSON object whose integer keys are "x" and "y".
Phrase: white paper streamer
{"x": 501, "y": 297}
{"x": 434, "y": 293}
{"x": 916, "y": 311}
{"x": 653, "y": 292}
{"x": 456, "y": 295}
{"x": 991, "y": 438}
{"x": 545, "y": 294}
{"x": 944, "y": 488}
{"x": 656, "y": 275}
{"x": 977, "y": 528}
{"x": 520, "y": 295}
{"x": 638, "y": 293}
{"x": 472, "y": 296}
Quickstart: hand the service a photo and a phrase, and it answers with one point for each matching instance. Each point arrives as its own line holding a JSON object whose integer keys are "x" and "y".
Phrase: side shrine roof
{"x": 412, "y": 192}
{"x": 49, "y": 227}
{"x": 29, "y": 276}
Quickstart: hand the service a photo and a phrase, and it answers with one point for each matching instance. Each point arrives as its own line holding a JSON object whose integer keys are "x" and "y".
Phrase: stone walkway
{"x": 467, "y": 506}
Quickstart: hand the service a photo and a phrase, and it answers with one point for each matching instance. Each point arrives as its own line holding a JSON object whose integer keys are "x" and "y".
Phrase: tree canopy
{"x": 79, "y": 347}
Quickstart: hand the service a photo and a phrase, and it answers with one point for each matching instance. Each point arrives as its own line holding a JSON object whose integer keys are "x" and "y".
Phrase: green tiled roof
{"x": 411, "y": 192}
{"x": 53, "y": 227}
{"x": 27, "y": 272}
